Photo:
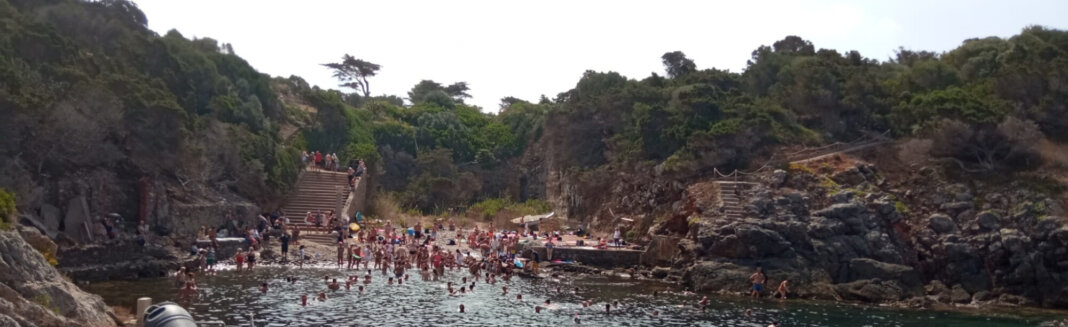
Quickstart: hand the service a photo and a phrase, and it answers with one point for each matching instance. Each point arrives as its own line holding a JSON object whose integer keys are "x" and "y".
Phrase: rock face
{"x": 843, "y": 237}
{"x": 123, "y": 259}
{"x": 33, "y": 293}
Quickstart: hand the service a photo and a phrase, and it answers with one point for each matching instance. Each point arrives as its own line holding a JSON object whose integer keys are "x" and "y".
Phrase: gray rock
{"x": 747, "y": 241}
{"x": 660, "y": 272}
{"x": 851, "y": 176}
{"x": 958, "y": 295}
{"x": 937, "y": 290}
{"x": 941, "y": 223}
{"x": 822, "y": 228}
{"x": 966, "y": 215}
{"x": 864, "y": 268}
{"x": 778, "y": 177}
{"x": 78, "y": 220}
{"x": 841, "y": 210}
{"x": 842, "y": 196}
{"x": 982, "y": 296}
{"x": 989, "y": 220}
{"x": 871, "y": 290}
{"x": 25, "y": 275}
{"x": 50, "y": 216}
{"x": 957, "y": 206}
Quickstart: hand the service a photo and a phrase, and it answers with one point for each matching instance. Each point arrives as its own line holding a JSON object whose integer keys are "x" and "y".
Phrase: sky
{"x": 529, "y": 48}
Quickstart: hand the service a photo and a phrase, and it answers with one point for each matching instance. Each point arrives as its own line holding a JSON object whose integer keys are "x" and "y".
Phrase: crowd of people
{"x": 399, "y": 252}
{"x": 316, "y": 159}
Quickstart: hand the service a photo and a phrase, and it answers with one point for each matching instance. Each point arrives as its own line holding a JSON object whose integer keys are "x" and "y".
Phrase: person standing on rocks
{"x": 285, "y": 246}
{"x": 783, "y": 289}
{"x": 757, "y": 279}
{"x": 239, "y": 258}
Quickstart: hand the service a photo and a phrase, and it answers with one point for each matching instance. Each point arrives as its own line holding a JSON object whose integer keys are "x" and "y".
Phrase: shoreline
{"x": 1049, "y": 317}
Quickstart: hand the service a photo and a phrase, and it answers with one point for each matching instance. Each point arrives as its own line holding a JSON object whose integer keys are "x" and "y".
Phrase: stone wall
{"x": 592, "y": 257}
{"x": 185, "y": 219}
{"x": 357, "y": 200}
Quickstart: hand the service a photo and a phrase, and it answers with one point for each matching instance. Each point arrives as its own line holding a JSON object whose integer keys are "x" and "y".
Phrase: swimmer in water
{"x": 322, "y": 296}
{"x": 263, "y": 288}
{"x": 333, "y": 285}
{"x": 607, "y": 308}
{"x": 519, "y": 297}
{"x": 656, "y": 313}
{"x": 504, "y": 290}
{"x": 461, "y": 308}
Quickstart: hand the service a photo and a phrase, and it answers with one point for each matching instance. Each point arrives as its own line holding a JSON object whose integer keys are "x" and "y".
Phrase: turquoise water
{"x": 230, "y": 298}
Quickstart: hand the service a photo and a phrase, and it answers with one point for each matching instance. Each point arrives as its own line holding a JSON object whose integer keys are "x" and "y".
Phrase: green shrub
{"x": 7, "y": 210}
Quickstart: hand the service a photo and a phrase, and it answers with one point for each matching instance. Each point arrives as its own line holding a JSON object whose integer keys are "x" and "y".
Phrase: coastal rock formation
{"x": 33, "y": 293}
{"x": 843, "y": 237}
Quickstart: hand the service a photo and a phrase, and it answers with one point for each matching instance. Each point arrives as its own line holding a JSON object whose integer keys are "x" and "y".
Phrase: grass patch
{"x": 45, "y": 301}
{"x": 489, "y": 208}
{"x": 902, "y": 207}
{"x": 799, "y": 168}
{"x": 7, "y": 210}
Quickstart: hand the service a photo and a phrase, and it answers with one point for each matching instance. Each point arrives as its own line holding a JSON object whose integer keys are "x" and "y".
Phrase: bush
{"x": 7, "y": 210}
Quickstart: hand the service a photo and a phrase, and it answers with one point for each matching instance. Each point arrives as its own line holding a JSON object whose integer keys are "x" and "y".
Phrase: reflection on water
{"x": 231, "y": 298}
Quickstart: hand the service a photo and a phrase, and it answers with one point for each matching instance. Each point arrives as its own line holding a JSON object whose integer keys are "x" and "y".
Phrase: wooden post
{"x": 142, "y": 305}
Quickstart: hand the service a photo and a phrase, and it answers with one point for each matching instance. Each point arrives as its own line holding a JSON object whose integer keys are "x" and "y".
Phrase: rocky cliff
{"x": 843, "y": 229}
{"x": 33, "y": 293}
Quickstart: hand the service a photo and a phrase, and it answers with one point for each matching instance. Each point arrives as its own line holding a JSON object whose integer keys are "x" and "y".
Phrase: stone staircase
{"x": 316, "y": 190}
{"x": 730, "y": 195}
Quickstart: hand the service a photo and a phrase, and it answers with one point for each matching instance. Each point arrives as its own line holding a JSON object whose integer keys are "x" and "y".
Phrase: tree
{"x": 428, "y": 90}
{"x": 353, "y": 73}
{"x": 677, "y": 64}
{"x": 986, "y": 147}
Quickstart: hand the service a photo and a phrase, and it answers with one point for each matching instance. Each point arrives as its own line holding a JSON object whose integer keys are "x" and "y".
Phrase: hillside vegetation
{"x": 88, "y": 90}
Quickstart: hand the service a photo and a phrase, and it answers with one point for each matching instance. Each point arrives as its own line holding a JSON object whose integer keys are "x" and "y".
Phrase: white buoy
{"x": 142, "y": 305}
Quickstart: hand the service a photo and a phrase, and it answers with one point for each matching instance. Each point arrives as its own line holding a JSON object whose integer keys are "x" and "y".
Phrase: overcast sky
{"x": 529, "y": 48}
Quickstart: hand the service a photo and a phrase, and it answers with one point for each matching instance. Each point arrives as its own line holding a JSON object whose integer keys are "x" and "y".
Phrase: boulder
{"x": 958, "y": 206}
{"x": 822, "y": 228}
{"x": 941, "y": 223}
{"x": 32, "y": 291}
{"x": 864, "y": 268}
{"x": 958, "y": 295}
{"x": 841, "y": 210}
{"x": 988, "y": 220}
{"x": 842, "y": 197}
{"x": 778, "y": 177}
{"x": 660, "y": 272}
{"x": 937, "y": 290}
{"x": 77, "y": 222}
{"x": 871, "y": 290}
{"x": 50, "y": 216}
{"x": 982, "y": 296}
{"x": 851, "y": 176}
{"x": 716, "y": 276}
